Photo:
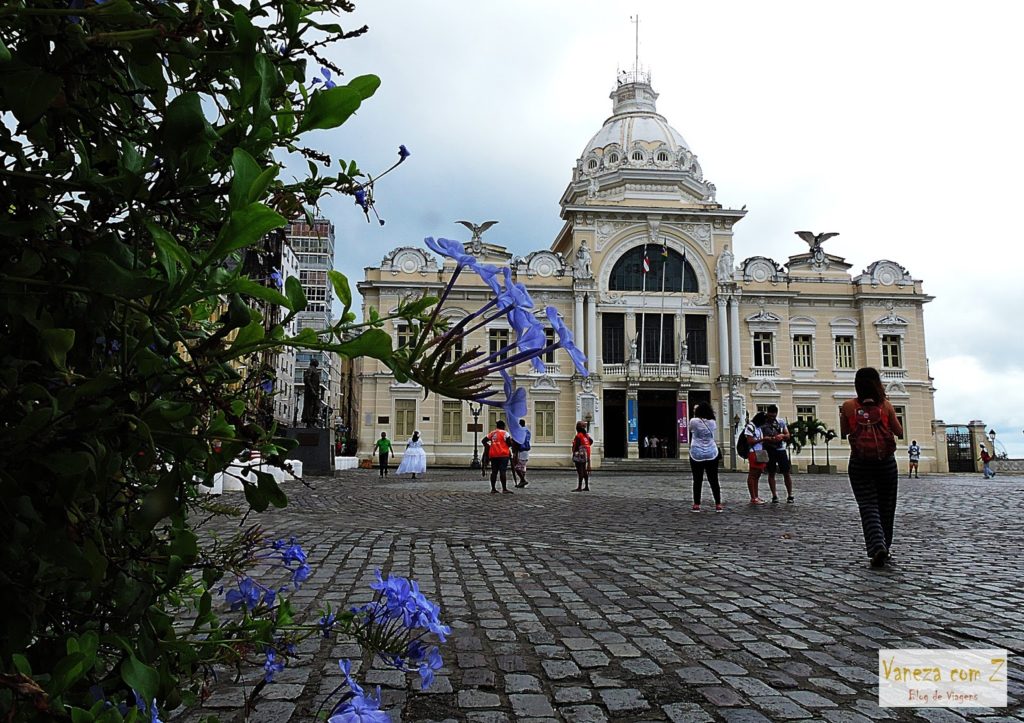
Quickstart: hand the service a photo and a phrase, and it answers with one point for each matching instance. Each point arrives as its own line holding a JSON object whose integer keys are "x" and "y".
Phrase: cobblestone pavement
{"x": 620, "y": 604}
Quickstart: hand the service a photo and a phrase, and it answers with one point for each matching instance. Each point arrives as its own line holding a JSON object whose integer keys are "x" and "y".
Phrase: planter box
{"x": 821, "y": 469}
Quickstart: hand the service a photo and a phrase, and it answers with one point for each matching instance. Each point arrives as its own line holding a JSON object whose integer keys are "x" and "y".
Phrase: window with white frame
{"x": 549, "y": 339}
{"x": 498, "y": 340}
{"x": 901, "y": 416}
{"x": 493, "y": 415}
{"x": 763, "y": 349}
{"x": 844, "y": 352}
{"x": 892, "y": 356}
{"x": 405, "y": 418}
{"x": 544, "y": 421}
{"x": 803, "y": 351}
{"x": 405, "y": 335}
{"x": 451, "y": 421}
{"x": 805, "y": 412}
{"x": 454, "y": 351}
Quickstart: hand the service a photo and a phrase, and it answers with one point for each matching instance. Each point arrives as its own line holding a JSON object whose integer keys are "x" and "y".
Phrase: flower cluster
{"x": 511, "y": 300}
{"x": 293, "y": 557}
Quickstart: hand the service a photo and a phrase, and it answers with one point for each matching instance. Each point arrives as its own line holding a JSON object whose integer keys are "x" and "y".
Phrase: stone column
{"x": 632, "y": 448}
{"x": 723, "y": 336}
{"x": 592, "y": 330}
{"x": 978, "y": 438}
{"x": 630, "y": 325}
{"x": 734, "y": 323}
{"x": 941, "y": 464}
{"x": 577, "y": 319}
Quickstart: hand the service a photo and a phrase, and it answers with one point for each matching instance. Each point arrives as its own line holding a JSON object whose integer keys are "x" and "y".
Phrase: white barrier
{"x": 231, "y": 479}
{"x": 346, "y": 463}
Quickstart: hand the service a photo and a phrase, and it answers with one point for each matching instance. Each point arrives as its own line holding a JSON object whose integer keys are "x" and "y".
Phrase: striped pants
{"x": 875, "y": 484}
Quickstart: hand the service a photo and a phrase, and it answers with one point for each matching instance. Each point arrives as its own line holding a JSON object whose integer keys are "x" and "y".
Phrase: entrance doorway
{"x": 657, "y": 418}
{"x": 615, "y": 423}
{"x": 958, "y": 449}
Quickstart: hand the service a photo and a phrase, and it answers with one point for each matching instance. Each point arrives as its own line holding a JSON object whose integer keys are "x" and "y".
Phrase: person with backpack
{"x": 986, "y": 458}
{"x": 521, "y": 457}
{"x": 870, "y": 423}
{"x": 914, "y": 453}
{"x": 581, "y": 444}
{"x": 498, "y": 453}
{"x": 751, "y": 445}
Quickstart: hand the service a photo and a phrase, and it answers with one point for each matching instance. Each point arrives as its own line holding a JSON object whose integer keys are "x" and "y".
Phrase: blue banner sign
{"x": 632, "y": 434}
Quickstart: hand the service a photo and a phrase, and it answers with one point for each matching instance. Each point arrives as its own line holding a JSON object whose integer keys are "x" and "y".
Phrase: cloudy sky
{"x": 896, "y": 124}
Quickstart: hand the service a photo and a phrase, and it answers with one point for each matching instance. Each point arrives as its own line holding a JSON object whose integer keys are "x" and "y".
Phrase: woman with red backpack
{"x": 870, "y": 423}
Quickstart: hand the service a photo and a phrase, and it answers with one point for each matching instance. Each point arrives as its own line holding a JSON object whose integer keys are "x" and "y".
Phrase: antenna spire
{"x": 635, "y": 19}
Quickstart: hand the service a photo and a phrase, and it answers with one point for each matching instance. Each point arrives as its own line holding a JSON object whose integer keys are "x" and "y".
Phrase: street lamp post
{"x": 992, "y": 438}
{"x": 475, "y": 411}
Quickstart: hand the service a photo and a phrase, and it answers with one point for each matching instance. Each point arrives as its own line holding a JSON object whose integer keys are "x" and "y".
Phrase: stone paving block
{"x": 623, "y": 700}
{"x": 598, "y": 680}
{"x": 844, "y": 716}
{"x": 282, "y": 691}
{"x": 441, "y": 685}
{"x": 478, "y": 678}
{"x": 572, "y": 694}
{"x": 487, "y": 717}
{"x": 766, "y": 650}
{"x": 226, "y": 698}
{"x": 810, "y": 699}
{"x": 590, "y": 658}
{"x": 832, "y": 686}
{"x": 581, "y": 644}
{"x": 521, "y": 684}
{"x": 642, "y": 667}
{"x": 697, "y": 674}
{"x": 389, "y": 678}
{"x": 725, "y": 667}
{"x": 552, "y": 651}
{"x": 750, "y": 686}
{"x": 511, "y": 663}
{"x": 560, "y": 669}
{"x": 686, "y": 713}
{"x": 722, "y": 697}
{"x": 622, "y": 650}
{"x": 531, "y": 705}
{"x": 780, "y": 707}
{"x": 583, "y": 714}
{"x": 478, "y": 699}
{"x": 272, "y": 712}
{"x": 939, "y": 715}
{"x": 743, "y": 715}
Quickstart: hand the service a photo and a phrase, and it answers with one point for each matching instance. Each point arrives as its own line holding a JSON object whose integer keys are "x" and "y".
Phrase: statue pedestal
{"x": 315, "y": 450}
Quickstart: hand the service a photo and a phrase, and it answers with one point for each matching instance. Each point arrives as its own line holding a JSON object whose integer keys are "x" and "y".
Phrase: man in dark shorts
{"x": 776, "y": 434}
{"x": 499, "y": 453}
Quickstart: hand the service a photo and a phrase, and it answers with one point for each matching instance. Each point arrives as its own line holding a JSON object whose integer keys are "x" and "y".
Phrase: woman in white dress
{"x": 414, "y": 459}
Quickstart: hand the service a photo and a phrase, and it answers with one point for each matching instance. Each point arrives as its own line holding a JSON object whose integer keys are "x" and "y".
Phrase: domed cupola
{"x": 636, "y": 143}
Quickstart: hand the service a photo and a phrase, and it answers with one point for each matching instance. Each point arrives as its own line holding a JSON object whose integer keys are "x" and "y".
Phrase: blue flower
{"x": 267, "y": 385}
{"x": 427, "y": 667}
{"x": 301, "y": 574}
{"x": 361, "y": 201}
{"x": 154, "y": 714}
{"x": 516, "y": 293}
{"x": 276, "y": 278}
{"x": 246, "y": 596}
{"x": 327, "y": 623}
{"x": 579, "y": 359}
{"x": 346, "y": 668}
{"x": 328, "y": 83}
{"x": 291, "y": 552}
{"x": 271, "y": 666}
{"x": 514, "y": 406}
{"x": 403, "y": 153}
{"x": 452, "y": 249}
{"x": 489, "y": 275}
{"x": 360, "y": 709}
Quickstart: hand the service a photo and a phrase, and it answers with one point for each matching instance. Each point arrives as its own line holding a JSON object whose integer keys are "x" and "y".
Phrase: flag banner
{"x": 664, "y": 252}
{"x": 647, "y": 262}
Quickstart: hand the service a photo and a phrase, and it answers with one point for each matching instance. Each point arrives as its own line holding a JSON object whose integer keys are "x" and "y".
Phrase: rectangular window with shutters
{"x": 405, "y": 418}
{"x": 763, "y": 349}
{"x": 493, "y": 415}
{"x": 549, "y": 339}
{"x": 803, "y": 352}
{"x": 844, "y": 352}
{"x": 405, "y": 335}
{"x": 901, "y": 415}
{"x": 498, "y": 340}
{"x": 451, "y": 421}
{"x": 891, "y": 356}
{"x": 543, "y": 421}
{"x": 805, "y": 413}
{"x": 454, "y": 351}
{"x": 613, "y": 338}
{"x": 659, "y": 338}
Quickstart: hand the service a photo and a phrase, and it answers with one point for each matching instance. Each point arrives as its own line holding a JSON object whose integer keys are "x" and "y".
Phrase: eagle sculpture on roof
{"x": 477, "y": 229}
{"x": 815, "y": 240}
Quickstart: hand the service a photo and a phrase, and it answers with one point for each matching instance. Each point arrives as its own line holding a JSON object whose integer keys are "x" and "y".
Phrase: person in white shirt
{"x": 704, "y": 454}
{"x": 914, "y": 452}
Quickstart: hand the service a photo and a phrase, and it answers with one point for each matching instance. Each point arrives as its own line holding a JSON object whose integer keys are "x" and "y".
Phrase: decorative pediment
{"x": 896, "y": 389}
{"x": 764, "y": 317}
{"x": 761, "y": 268}
{"x": 540, "y": 263}
{"x": 891, "y": 319}
{"x": 544, "y": 383}
{"x": 408, "y": 260}
{"x": 885, "y": 273}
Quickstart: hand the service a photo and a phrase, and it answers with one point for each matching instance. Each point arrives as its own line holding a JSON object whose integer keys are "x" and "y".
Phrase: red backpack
{"x": 870, "y": 436}
{"x": 499, "y": 444}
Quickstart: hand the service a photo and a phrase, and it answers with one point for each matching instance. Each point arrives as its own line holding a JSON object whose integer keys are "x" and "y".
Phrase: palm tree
{"x": 807, "y": 431}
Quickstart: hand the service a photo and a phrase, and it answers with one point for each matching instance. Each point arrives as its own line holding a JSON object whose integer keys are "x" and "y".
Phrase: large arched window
{"x": 628, "y": 273}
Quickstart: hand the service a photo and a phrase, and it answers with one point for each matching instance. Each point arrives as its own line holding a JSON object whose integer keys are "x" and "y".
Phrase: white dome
{"x": 635, "y": 120}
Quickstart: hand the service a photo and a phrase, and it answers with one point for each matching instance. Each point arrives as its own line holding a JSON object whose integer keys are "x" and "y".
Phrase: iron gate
{"x": 958, "y": 449}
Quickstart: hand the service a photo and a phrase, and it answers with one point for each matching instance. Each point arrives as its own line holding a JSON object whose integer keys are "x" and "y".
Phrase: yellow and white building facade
{"x": 644, "y": 272}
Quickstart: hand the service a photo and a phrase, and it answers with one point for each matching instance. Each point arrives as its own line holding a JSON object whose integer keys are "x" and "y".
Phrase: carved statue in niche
{"x": 592, "y": 188}
{"x": 725, "y": 265}
{"x": 582, "y": 267}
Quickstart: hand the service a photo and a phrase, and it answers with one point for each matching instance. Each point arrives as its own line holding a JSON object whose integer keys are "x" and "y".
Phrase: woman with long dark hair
{"x": 757, "y": 457}
{"x": 870, "y": 423}
{"x": 704, "y": 454}
{"x": 581, "y": 457}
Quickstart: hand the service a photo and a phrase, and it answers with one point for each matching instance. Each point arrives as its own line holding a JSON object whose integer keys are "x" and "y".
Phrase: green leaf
{"x": 270, "y": 490}
{"x": 372, "y": 343}
{"x": 341, "y": 288}
{"x": 184, "y": 121}
{"x": 247, "y": 335}
{"x": 5, "y": 54}
{"x": 169, "y": 252}
{"x": 245, "y": 172}
{"x": 293, "y": 289}
{"x": 21, "y": 664}
{"x": 413, "y": 308}
{"x": 331, "y": 108}
{"x": 140, "y": 677}
{"x": 57, "y": 343}
{"x": 246, "y": 226}
{"x": 67, "y": 671}
{"x": 29, "y": 92}
{"x": 248, "y": 287}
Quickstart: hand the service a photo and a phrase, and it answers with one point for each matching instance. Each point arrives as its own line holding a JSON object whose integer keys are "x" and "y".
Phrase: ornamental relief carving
{"x": 408, "y": 260}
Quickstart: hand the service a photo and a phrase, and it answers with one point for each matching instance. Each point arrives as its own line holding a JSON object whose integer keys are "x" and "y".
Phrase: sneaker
{"x": 695, "y": 508}
{"x": 719, "y": 508}
{"x": 525, "y": 485}
{"x": 494, "y": 491}
{"x": 775, "y": 500}
{"x": 506, "y": 491}
{"x": 790, "y": 500}
{"x": 757, "y": 501}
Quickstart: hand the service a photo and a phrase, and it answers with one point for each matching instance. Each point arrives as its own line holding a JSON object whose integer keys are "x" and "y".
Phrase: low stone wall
{"x": 1008, "y": 466}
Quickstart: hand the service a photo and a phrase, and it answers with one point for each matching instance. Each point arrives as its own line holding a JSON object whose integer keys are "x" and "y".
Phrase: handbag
{"x": 761, "y": 456}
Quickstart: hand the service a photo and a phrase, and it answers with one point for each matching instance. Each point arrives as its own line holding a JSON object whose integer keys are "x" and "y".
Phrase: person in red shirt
{"x": 581, "y": 444}
{"x": 498, "y": 452}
